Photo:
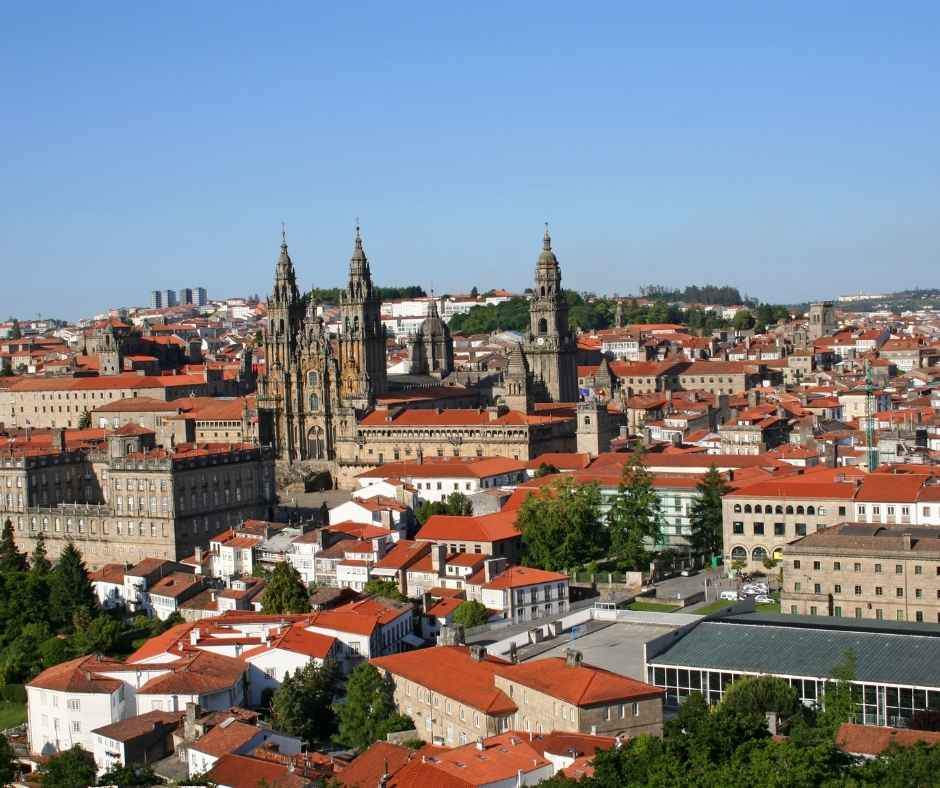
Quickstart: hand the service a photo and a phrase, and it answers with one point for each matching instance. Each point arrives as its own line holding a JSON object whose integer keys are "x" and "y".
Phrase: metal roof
{"x": 908, "y": 656}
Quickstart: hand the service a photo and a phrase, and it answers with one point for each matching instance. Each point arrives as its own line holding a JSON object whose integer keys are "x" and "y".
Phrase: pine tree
{"x": 303, "y": 705}
{"x": 634, "y": 515}
{"x": 285, "y": 591}
{"x": 39, "y": 564}
{"x": 70, "y": 590}
{"x": 369, "y": 713}
{"x": 11, "y": 559}
{"x": 706, "y": 516}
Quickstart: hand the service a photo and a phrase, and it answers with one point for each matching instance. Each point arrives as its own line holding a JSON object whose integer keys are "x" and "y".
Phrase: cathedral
{"x": 314, "y": 385}
{"x": 318, "y": 399}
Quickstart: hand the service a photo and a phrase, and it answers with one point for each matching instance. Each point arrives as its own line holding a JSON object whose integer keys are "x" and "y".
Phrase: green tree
{"x": 387, "y": 589}
{"x": 16, "y": 332}
{"x": 634, "y": 516}
{"x": 456, "y": 504}
{"x": 561, "y": 526}
{"x": 22, "y": 659}
{"x": 761, "y": 695}
{"x": 783, "y": 764}
{"x": 707, "y": 533}
{"x": 8, "y": 768}
{"x": 100, "y": 636}
{"x": 900, "y": 767}
{"x": 303, "y": 705}
{"x": 743, "y": 320}
{"x": 471, "y": 614}
{"x": 838, "y": 702}
{"x": 545, "y": 469}
{"x": 74, "y": 768}
{"x": 131, "y": 775}
{"x": 39, "y": 564}
{"x": 369, "y": 713}
{"x": 84, "y": 421}
{"x": 285, "y": 591}
{"x": 70, "y": 590}
{"x": 11, "y": 559}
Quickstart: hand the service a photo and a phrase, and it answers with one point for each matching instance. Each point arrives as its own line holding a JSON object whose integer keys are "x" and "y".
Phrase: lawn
{"x": 713, "y": 607}
{"x": 652, "y": 607}
{"x": 11, "y": 714}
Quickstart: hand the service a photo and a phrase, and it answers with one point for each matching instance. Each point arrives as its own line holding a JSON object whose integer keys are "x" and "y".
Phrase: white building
{"x": 435, "y": 479}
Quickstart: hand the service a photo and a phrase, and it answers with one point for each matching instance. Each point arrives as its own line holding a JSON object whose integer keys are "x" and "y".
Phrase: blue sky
{"x": 790, "y": 151}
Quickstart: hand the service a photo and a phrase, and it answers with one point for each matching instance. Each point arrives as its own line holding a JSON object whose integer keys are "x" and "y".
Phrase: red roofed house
{"x": 491, "y": 534}
{"x": 457, "y": 695}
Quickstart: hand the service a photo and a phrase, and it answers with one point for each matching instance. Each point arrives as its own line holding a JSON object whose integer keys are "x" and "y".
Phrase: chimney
{"x": 58, "y": 440}
{"x": 480, "y": 744}
{"x": 194, "y": 636}
{"x": 198, "y": 555}
{"x": 513, "y": 655}
{"x": 477, "y": 653}
{"x": 772, "y": 723}
{"x": 438, "y": 557}
{"x": 572, "y": 658}
{"x": 906, "y": 540}
{"x": 493, "y": 567}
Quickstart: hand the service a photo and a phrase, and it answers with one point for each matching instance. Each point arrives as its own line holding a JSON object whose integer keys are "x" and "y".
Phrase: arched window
{"x": 779, "y": 510}
{"x": 778, "y": 554}
{"x": 811, "y": 510}
{"x": 543, "y": 291}
{"x": 738, "y": 554}
{"x": 757, "y": 509}
{"x": 737, "y": 508}
{"x": 314, "y": 403}
{"x": 789, "y": 510}
{"x": 543, "y": 325}
{"x": 759, "y": 554}
{"x": 747, "y": 508}
{"x": 313, "y": 378}
{"x": 799, "y": 510}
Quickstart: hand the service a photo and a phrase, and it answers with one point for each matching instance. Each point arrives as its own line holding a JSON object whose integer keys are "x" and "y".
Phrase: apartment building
{"x": 864, "y": 571}
{"x": 436, "y": 479}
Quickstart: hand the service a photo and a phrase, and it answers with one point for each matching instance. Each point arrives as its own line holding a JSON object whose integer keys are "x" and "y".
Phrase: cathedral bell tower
{"x": 362, "y": 335}
{"x": 275, "y": 408}
{"x": 550, "y": 348}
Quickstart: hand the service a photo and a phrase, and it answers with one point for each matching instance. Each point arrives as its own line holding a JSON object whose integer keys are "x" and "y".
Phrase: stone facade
{"x": 550, "y": 348}
{"x": 864, "y": 571}
{"x": 131, "y": 502}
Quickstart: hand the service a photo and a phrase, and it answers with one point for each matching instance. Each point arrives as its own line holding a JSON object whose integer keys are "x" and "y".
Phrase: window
{"x": 758, "y": 529}
{"x": 858, "y": 590}
{"x": 878, "y": 591}
{"x": 837, "y": 566}
{"x": 856, "y": 567}
{"x": 796, "y": 564}
{"x": 801, "y": 529}
{"x": 899, "y": 592}
{"x": 898, "y": 569}
{"x": 737, "y": 527}
{"x": 837, "y": 589}
{"x": 919, "y": 615}
{"x": 816, "y": 566}
{"x": 877, "y": 569}
{"x": 817, "y": 588}
{"x": 918, "y": 570}
{"x": 797, "y": 587}
{"x": 780, "y": 529}
{"x": 76, "y": 726}
{"x": 837, "y": 611}
{"x": 918, "y": 593}
{"x": 75, "y": 704}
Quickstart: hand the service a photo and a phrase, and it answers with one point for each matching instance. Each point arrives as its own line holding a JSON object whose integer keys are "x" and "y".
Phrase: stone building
{"x": 864, "y": 571}
{"x": 822, "y": 320}
{"x": 550, "y": 348}
{"x": 431, "y": 349}
{"x": 122, "y": 500}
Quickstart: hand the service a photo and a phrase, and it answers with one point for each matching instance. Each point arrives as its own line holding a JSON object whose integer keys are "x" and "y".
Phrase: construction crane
{"x": 870, "y": 411}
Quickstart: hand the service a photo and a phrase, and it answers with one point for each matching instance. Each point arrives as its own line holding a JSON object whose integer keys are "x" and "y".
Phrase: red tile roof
{"x": 486, "y": 528}
{"x": 522, "y": 576}
{"x": 451, "y": 671}
{"x": 225, "y": 738}
{"x": 582, "y": 685}
{"x": 432, "y": 468}
{"x": 80, "y": 675}
{"x": 379, "y": 759}
{"x": 872, "y": 740}
{"x": 240, "y": 771}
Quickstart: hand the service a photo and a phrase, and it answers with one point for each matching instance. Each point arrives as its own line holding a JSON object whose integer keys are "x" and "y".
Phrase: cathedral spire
{"x": 358, "y": 262}
{"x": 547, "y": 257}
{"x": 547, "y": 239}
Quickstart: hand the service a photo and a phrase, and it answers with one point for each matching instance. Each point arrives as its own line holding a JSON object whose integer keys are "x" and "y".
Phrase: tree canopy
{"x": 303, "y": 705}
{"x": 388, "y": 589}
{"x": 456, "y": 504}
{"x": 369, "y": 712}
{"x": 706, "y": 516}
{"x": 634, "y": 516}
{"x": 471, "y": 614}
{"x": 285, "y": 591}
{"x": 74, "y": 768}
{"x": 561, "y": 526}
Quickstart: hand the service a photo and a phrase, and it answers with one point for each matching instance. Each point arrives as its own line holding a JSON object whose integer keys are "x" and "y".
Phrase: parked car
{"x": 732, "y": 595}
{"x": 763, "y": 599}
{"x": 755, "y": 588}
{"x": 688, "y": 572}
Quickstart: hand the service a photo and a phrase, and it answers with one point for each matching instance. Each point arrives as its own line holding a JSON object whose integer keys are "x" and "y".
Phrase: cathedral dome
{"x": 547, "y": 257}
